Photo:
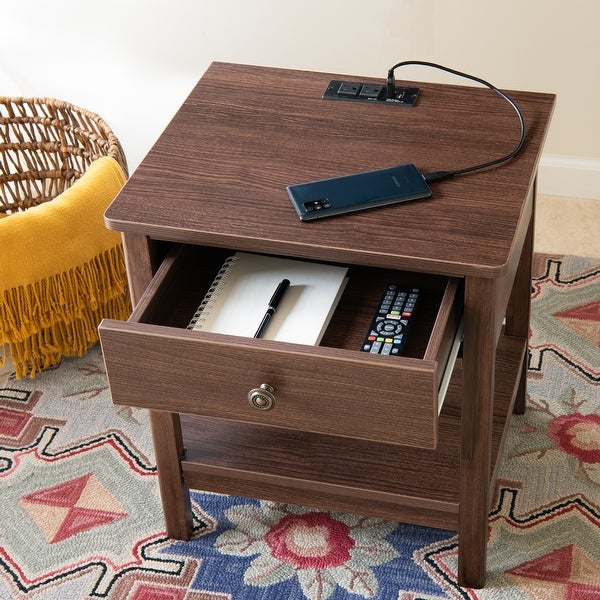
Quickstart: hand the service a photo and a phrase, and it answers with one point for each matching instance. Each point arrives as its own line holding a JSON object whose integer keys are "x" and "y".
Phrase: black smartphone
{"x": 359, "y": 191}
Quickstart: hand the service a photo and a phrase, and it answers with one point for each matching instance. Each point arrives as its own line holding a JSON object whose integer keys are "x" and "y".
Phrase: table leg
{"x": 519, "y": 308}
{"x": 479, "y": 358}
{"x": 138, "y": 251}
{"x": 166, "y": 426}
{"x": 168, "y": 449}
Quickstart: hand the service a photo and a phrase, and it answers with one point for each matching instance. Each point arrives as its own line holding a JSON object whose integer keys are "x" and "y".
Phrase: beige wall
{"x": 133, "y": 61}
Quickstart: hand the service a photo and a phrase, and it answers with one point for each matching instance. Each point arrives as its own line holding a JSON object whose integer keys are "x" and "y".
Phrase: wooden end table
{"x": 358, "y": 433}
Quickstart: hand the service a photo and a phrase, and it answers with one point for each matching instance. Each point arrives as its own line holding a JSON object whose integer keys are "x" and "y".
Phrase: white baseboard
{"x": 570, "y": 177}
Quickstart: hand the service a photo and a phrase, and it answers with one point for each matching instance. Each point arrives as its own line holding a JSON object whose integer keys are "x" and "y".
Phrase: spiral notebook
{"x": 237, "y": 299}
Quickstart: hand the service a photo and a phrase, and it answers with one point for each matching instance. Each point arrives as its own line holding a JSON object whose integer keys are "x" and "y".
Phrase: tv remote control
{"x": 390, "y": 326}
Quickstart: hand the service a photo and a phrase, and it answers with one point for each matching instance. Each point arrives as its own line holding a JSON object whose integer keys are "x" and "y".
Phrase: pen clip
{"x": 278, "y": 294}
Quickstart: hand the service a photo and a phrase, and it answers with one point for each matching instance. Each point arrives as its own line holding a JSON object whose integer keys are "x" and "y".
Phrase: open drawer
{"x": 154, "y": 362}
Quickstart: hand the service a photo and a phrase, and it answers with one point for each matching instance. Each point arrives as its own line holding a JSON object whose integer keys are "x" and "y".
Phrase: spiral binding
{"x": 212, "y": 294}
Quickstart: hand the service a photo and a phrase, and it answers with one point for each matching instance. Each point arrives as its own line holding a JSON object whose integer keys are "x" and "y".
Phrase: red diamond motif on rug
{"x": 568, "y": 567}
{"x": 63, "y": 494}
{"x": 584, "y": 320}
{"x": 555, "y": 566}
{"x": 82, "y": 519}
{"x": 71, "y": 507}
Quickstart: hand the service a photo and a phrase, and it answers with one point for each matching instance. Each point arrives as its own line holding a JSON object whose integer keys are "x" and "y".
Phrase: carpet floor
{"x": 80, "y": 513}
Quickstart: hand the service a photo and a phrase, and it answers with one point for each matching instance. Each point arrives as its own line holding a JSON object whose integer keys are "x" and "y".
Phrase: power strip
{"x": 369, "y": 92}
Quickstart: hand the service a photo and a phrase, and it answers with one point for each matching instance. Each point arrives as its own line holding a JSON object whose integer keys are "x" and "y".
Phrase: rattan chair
{"x": 46, "y": 147}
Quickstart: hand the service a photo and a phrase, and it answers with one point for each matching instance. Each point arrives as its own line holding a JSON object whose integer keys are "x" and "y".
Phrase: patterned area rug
{"x": 80, "y": 515}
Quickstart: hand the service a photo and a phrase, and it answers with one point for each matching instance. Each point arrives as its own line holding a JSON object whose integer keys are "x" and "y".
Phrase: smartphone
{"x": 359, "y": 191}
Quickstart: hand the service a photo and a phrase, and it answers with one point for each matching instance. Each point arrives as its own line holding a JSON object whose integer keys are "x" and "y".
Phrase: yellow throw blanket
{"x": 61, "y": 272}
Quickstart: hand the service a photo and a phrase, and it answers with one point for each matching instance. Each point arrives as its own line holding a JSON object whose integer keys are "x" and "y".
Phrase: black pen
{"x": 272, "y": 307}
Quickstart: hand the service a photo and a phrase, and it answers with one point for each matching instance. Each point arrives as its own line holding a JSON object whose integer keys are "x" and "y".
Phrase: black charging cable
{"x": 440, "y": 175}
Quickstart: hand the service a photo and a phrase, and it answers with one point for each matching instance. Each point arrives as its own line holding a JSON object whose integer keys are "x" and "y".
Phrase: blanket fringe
{"x": 59, "y": 315}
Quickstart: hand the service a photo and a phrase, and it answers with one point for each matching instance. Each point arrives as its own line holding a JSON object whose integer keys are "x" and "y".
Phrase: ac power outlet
{"x": 369, "y": 92}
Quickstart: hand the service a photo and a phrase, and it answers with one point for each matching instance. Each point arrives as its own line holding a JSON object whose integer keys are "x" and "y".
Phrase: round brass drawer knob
{"x": 262, "y": 397}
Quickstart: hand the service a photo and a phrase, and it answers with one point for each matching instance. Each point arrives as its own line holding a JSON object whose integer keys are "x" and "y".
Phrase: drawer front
{"x": 315, "y": 389}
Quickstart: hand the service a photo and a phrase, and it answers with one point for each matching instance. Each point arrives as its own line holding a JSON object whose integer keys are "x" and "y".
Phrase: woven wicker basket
{"x": 45, "y": 146}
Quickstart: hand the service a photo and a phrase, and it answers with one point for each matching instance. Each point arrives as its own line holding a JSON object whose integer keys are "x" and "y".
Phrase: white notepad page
{"x": 239, "y": 296}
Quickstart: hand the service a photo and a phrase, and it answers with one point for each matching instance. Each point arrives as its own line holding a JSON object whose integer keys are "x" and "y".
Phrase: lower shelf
{"x": 335, "y": 473}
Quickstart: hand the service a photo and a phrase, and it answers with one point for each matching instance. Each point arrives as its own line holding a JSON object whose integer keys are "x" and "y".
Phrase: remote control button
{"x": 376, "y": 346}
{"x": 389, "y": 326}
